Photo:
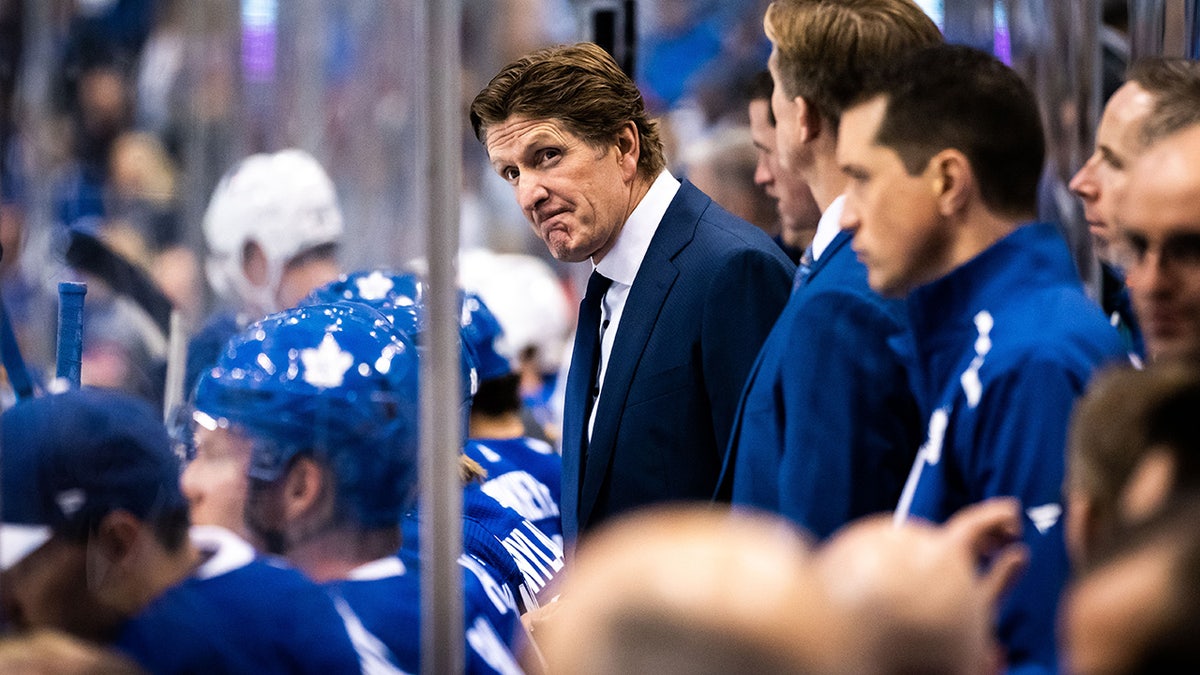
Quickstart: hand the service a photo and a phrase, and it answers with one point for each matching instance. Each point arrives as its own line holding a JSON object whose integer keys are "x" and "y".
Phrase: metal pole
{"x": 1175, "y": 28}
{"x": 441, "y": 395}
{"x": 1146, "y": 28}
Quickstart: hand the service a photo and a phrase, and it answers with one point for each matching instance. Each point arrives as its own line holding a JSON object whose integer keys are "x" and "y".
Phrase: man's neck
{"x": 824, "y": 177}
{"x": 332, "y": 553}
{"x": 161, "y": 571}
{"x": 979, "y": 231}
{"x": 637, "y": 192}
{"x": 503, "y": 426}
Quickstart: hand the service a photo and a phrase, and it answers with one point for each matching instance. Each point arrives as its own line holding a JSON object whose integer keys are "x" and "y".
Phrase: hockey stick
{"x": 69, "y": 359}
{"x": 88, "y": 254}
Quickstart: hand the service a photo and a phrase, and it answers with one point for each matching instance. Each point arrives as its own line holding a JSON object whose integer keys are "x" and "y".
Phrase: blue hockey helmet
{"x": 399, "y": 297}
{"x": 333, "y": 380}
{"x": 483, "y": 336}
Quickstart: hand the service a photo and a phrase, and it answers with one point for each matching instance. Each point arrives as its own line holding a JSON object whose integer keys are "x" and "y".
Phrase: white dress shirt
{"x": 621, "y": 265}
{"x": 828, "y": 227}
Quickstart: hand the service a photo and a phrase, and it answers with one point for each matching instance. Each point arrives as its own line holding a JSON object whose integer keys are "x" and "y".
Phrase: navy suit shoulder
{"x": 827, "y": 425}
{"x": 704, "y": 299}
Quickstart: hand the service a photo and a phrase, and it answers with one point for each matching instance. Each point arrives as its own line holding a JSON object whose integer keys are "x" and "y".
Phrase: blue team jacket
{"x": 827, "y": 426}
{"x": 1003, "y": 346}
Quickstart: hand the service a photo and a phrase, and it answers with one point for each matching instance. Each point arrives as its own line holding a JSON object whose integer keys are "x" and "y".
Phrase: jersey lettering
{"x": 524, "y": 494}
{"x": 500, "y": 595}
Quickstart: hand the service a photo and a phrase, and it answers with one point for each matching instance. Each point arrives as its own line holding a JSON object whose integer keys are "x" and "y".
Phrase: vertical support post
{"x": 1175, "y": 28}
{"x": 173, "y": 393}
{"x": 70, "y": 331}
{"x": 1146, "y": 28}
{"x": 441, "y": 395}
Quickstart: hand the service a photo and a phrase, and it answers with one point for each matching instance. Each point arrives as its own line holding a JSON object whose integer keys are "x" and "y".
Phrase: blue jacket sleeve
{"x": 850, "y": 428}
{"x": 741, "y": 305}
{"x": 1018, "y": 449}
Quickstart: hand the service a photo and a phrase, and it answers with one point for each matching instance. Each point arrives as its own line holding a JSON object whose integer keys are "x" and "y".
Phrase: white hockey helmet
{"x": 284, "y": 202}
{"x": 525, "y": 296}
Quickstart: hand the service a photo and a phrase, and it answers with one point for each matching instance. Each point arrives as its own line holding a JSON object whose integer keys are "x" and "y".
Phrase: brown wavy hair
{"x": 579, "y": 85}
{"x": 825, "y": 48}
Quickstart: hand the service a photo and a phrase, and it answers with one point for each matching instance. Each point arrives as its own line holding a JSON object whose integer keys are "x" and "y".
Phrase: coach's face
{"x": 576, "y": 195}
{"x": 1159, "y": 224}
{"x": 899, "y": 233}
{"x": 798, "y": 213}
{"x": 1100, "y": 182}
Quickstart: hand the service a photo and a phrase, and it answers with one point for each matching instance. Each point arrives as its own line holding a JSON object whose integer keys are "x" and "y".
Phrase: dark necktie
{"x": 587, "y": 344}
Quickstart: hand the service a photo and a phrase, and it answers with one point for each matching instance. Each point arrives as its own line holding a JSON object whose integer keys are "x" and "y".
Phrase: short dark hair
{"x": 1125, "y": 414}
{"x": 169, "y": 526}
{"x": 825, "y": 48}
{"x": 1175, "y": 86}
{"x": 951, "y": 96}
{"x": 498, "y": 396}
{"x": 760, "y": 88}
{"x": 579, "y": 85}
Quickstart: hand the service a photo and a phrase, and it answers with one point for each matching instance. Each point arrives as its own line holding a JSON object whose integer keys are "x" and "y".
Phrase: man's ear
{"x": 1149, "y": 485}
{"x": 952, "y": 181}
{"x": 254, "y": 263}
{"x": 117, "y": 536}
{"x": 114, "y": 551}
{"x": 629, "y": 150}
{"x": 809, "y": 124}
{"x": 306, "y": 489}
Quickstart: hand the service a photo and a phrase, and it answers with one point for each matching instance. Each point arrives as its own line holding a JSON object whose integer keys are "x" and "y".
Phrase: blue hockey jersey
{"x": 239, "y": 613}
{"x": 381, "y": 605}
{"x": 525, "y": 475}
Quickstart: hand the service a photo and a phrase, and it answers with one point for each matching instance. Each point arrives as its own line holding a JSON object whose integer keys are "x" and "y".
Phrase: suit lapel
{"x": 656, "y": 275}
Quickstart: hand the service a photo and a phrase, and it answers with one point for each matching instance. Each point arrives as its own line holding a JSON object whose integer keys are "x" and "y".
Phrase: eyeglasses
{"x": 1178, "y": 250}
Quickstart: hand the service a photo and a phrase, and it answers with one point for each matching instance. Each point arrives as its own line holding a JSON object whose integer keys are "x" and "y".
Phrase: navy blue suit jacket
{"x": 703, "y": 301}
{"x": 827, "y": 427}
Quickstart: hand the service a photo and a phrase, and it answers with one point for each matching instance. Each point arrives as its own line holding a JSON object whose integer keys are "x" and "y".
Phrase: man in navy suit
{"x": 682, "y": 293}
{"x": 828, "y": 427}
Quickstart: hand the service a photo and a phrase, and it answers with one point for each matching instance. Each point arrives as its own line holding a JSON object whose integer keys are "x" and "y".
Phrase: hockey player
{"x": 523, "y": 473}
{"x": 327, "y": 397}
{"x": 532, "y": 305}
{"x": 95, "y": 542}
{"x": 272, "y": 227}
{"x": 516, "y": 550}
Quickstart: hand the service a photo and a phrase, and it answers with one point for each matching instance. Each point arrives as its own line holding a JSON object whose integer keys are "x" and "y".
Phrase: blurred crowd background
{"x": 118, "y": 117}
